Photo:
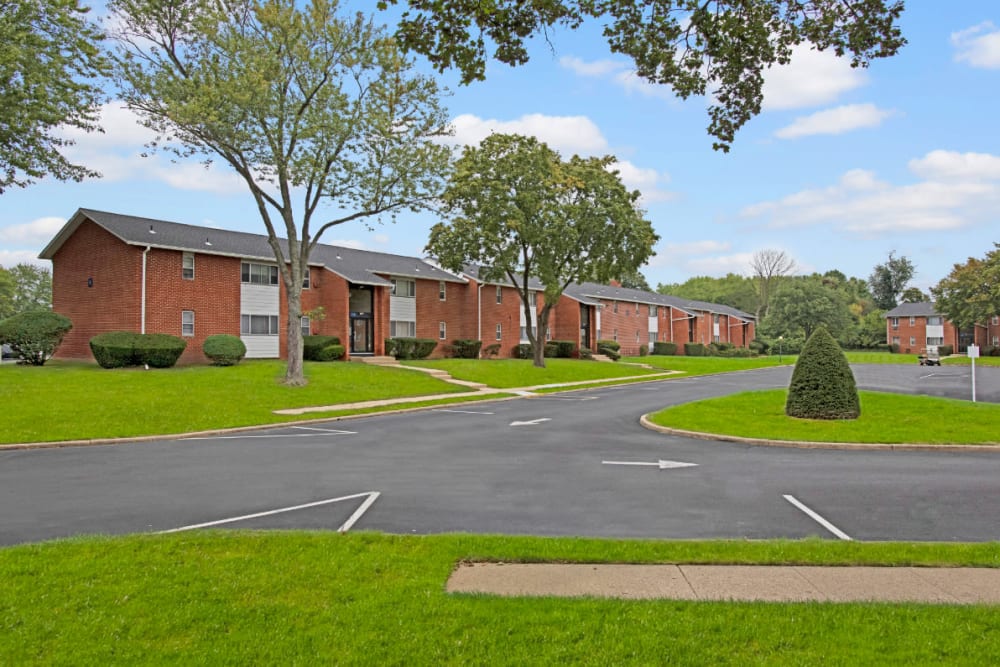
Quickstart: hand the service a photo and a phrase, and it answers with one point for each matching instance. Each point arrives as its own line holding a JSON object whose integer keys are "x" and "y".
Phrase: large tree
{"x": 888, "y": 281}
{"x": 32, "y": 288}
{"x": 970, "y": 294}
{"x": 7, "y": 290}
{"x": 732, "y": 290}
{"x": 310, "y": 108}
{"x": 802, "y": 305}
{"x": 769, "y": 266}
{"x": 51, "y": 65}
{"x": 718, "y": 48}
{"x": 522, "y": 212}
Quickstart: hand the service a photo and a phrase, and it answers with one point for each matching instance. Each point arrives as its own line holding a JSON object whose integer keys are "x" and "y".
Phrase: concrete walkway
{"x": 758, "y": 583}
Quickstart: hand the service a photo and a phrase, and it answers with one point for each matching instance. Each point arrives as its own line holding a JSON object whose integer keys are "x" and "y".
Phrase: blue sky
{"x": 842, "y": 167}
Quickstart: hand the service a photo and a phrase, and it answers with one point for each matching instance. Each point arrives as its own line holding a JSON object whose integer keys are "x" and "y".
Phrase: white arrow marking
{"x": 533, "y": 422}
{"x": 661, "y": 464}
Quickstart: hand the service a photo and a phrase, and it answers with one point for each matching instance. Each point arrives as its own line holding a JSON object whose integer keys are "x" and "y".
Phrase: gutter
{"x": 142, "y": 316}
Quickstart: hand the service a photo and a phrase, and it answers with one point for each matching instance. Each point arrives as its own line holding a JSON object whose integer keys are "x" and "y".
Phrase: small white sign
{"x": 973, "y": 352}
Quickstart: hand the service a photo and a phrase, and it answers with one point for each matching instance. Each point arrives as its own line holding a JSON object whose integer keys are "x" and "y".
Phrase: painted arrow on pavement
{"x": 661, "y": 464}
{"x": 533, "y": 422}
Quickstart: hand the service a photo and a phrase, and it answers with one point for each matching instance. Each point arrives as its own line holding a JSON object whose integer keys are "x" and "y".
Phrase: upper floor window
{"x": 441, "y": 290}
{"x": 913, "y": 321}
{"x": 894, "y": 322}
{"x": 305, "y": 279}
{"x": 187, "y": 266}
{"x": 258, "y": 274}
{"x": 615, "y": 307}
{"x": 934, "y": 320}
{"x": 715, "y": 318}
{"x": 499, "y": 294}
{"x": 401, "y": 287}
{"x": 996, "y": 319}
{"x": 653, "y": 311}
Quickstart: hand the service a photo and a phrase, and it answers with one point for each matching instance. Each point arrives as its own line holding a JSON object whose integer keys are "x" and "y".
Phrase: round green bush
{"x": 159, "y": 350}
{"x": 33, "y": 336}
{"x": 822, "y": 385}
{"x": 114, "y": 349}
{"x": 224, "y": 349}
{"x": 330, "y": 353}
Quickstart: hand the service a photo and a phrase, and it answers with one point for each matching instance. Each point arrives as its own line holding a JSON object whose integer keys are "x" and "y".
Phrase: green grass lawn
{"x": 507, "y": 373}
{"x": 321, "y": 598}
{"x": 885, "y": 418}
{"x": 708, "y": 365}
{"x": 68, "y": 401}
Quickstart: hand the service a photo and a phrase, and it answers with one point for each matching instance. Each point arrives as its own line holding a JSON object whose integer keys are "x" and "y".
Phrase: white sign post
{"x": 973, "y": 355}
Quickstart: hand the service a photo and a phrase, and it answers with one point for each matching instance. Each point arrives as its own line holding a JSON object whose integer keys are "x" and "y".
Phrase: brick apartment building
{"x": 114, "y": 272}
{"x": 914, "y": 326}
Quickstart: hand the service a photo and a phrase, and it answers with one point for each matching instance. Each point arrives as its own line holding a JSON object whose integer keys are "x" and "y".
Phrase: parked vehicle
{"x": 930, "y": 356}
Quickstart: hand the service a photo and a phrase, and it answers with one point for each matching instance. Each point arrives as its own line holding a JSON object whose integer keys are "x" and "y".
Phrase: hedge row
{"x": 118, "y": 349}
{"x": 314, "y": 347}
{"x": 410, "y": 348}
{"x": 466, "y": 348}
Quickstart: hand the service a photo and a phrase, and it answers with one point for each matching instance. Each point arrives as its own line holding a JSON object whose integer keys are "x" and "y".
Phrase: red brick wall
{"x": 564, "y": 321}
{"x": 111, "y": 304}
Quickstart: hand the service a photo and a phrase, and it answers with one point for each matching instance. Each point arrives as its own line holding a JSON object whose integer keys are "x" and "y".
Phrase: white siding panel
{"x": 261, "y": 347}
{"x": 715, "y": 328}
{"x": 935, "y": 331}
{"x": 654, "y": 324}
{"x": 259, "y": 299}
{"x": 402, "y": 308}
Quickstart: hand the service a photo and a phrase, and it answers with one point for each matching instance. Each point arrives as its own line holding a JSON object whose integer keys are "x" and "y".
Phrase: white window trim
{"x": 442, "y": 291}
{"x": 499, "y": 294}
{"x": 185, "y": 324}
{"x": 442, "y": 330}
{"x": 306, "y": 325}
{"x": 249, "y": 328}
{"x": 184, "y": 269}
{"x": 499, "y": 331}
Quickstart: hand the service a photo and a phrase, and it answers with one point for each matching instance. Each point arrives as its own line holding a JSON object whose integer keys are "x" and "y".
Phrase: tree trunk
{"x": 539, "y": 351}
{"x": 294, "y": 373}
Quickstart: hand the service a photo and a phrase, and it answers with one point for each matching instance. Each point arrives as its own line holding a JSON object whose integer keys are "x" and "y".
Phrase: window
{"x": 305, "y": 278}
{"x": 187, "y": 322}
{"x": 996, "y": 341}
{"x": 304, "y": 323}
{"x": 652, "y": 337}
{"x": 187, "y": 266}
{"x": 653, "y": 311}
{"x": 913, "y": 340}
{"x": 441, "y": 292}
{"x": 934, "y": 320}
{"x": 598, "y": 334}
{"x": 407, "y": 288}
{"x": 548, "y": 333}
{"x": 499, "y": 294}
{"x": 442, "y": 330}
{"x": 259, "y": 325}
{"x": 615, "y": 308}
{"x": 402, "y": 329}
{"x": 894, "y": 321}
{"x": 499, "y": 331}
{"x": 259, "y": 274}
{"x": 626, "y": 311}
{"x": 715, "y": 318}
{"x": 913, "y": 321}
{"x": 935, "y": 340}
{"x": 716, "y": 339}
{"x": 895, "y": 340}
{"x": 637, "y": 336}
{"x": 616, "y": 336}
{"x": 996, "y": 319}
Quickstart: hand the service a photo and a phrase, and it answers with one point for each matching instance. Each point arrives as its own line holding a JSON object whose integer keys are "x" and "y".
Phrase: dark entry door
{"x": 584, "y": 326}
{"x": 362, "y": 335}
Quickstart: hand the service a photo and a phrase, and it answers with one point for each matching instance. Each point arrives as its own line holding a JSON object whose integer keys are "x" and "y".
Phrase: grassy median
{"x": 366, "y": 598}
{"x": 885, "y": 418}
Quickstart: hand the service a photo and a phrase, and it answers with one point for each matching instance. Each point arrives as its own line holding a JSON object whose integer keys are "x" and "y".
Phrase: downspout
{"x": 479, "y": 313}
{"x": 142, "y": 305}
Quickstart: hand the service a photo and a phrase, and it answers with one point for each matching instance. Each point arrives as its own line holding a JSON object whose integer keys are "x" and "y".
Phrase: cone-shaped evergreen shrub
{"x": 822, "y": 384}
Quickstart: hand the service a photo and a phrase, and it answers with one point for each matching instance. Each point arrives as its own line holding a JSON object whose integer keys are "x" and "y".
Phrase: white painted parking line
{"x": 335, "y": 431}
{"x": 370, "y": 497}
{"x": 817, "y": 518}
{"x": 533, "y": 422}
{"x": 275, "y": 435}
{"x": 543, "y": 397}
{"x": 466, "y": 412}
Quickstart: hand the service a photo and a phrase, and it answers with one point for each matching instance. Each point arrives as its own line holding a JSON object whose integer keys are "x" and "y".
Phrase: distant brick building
{"x": 914, "y": 326}
{"x": 114, "y": 272}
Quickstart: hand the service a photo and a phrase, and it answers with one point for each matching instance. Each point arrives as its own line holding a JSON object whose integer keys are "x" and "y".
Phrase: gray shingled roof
{"x": 358, "y": 266}
{"x": 920, "y": 309}
{"x": 473, "y": 271}
{"x": 597, "y": 291}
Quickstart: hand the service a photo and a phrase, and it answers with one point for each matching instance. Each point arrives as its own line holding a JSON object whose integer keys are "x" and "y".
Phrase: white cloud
{"x": 951, "y": 166}
{"x": 619, "y": 73}
{"x": 40, "y": 230}
{"x": 381, "y": 238}
{"x": 647, "y": 181}
{"x": 697, "y": 247}
{"x": 812, "y": 78}
{"x": 835, "y": 121}
{"x": 953, "y": 194}
{"x": 719, "y": 265}
{"x": 596, "y": 68}
{"x": 978, "y": 46}
{"x": 9, "y": 258}
{"x": 567, "y": 134}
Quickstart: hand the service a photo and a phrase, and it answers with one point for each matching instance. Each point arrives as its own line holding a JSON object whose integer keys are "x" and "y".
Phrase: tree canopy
{"x": 520, "y": 211}
{"x": 888, "y": 281}
{"x": 51, "y": 66}
{"x": 24, "y": 287}
{"x": 731, "y": 290}
{"x": 311, "y": 109}
{"x": 799, "y": 307}
{"x": 970, "y": 294}
{"x": 719, "y": 48}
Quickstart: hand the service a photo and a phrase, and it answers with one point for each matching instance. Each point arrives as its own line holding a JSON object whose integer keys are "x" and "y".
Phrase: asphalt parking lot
{"x": 576, "y": 463}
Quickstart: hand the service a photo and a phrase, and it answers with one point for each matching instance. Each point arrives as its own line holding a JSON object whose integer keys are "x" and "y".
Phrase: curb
{"x": 792, "y": 444}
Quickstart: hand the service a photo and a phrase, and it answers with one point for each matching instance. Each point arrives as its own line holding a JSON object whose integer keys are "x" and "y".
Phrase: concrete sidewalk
{"x": 766, "y": 583}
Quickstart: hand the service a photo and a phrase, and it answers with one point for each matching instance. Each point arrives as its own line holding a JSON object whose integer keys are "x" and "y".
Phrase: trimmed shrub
{"x": 313, "y": 345}
{"x": 331, "y": 353}
{"x": 117, "y": 349}
{"x": 759, "y": 345}
{"x": 491, "y": 350}
{"x": 695, "y": 350}
{"x": 822, "y": 385}
{"x": 224, "y": 349}
{"x": 522, "y": 351}
{"x": 664, "y": 348}
{"x": 413, "y": 348}
{"x": 585, "y": 353}
{"x": 732, "y": 352}
{"x": 551, "y": 350}
{"x": 946, "y": 350}
{"x": 610, "y": 344}
{"x": 114, "y": 349}
{"x": 390, "y": 347}
{"x": 159, "y": 350}
{"x": 610, "y": 353}
{"x": 33, "y": 336}
{"x": 466, "y": 348}
{"x": 643, "y": 350}
{"x": 564, "y": 348}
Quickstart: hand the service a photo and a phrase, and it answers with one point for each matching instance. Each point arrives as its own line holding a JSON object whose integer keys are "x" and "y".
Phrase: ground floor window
{"x": 305, "y": 324}
{"x": 259, "y": 325}
{"x": 187, "y": 322}
{"x": 499, "y": 331}
{"x": 935, "y": 340}
{"x": 442, "y": 330}
{"x": 402, "y": 329}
